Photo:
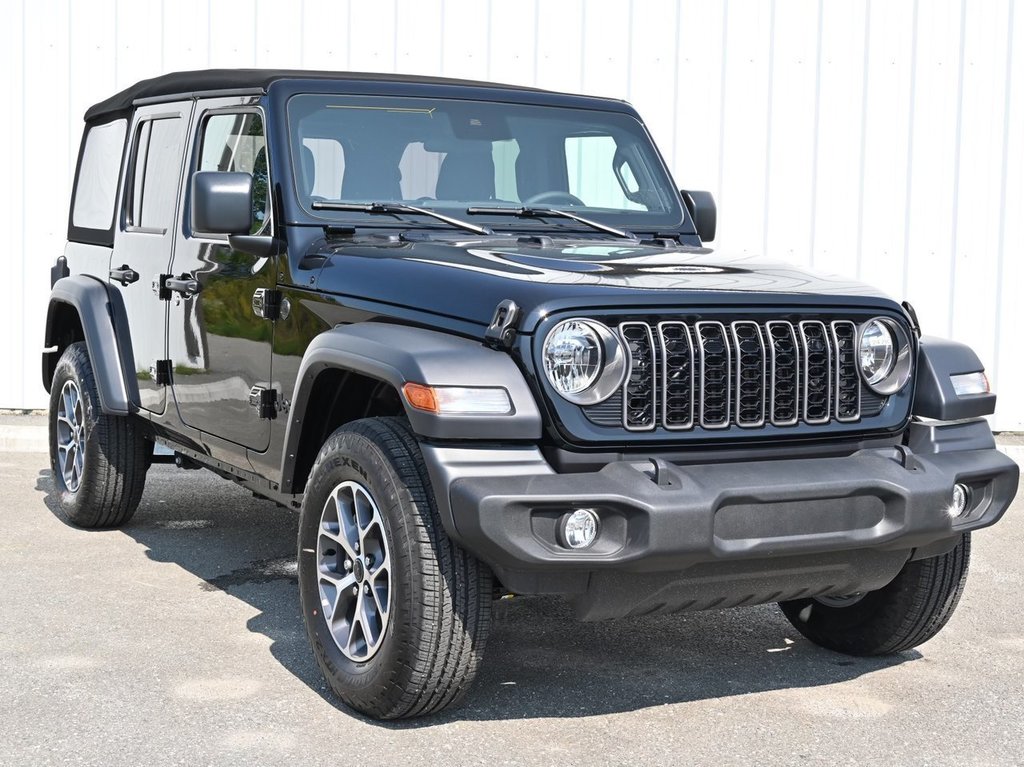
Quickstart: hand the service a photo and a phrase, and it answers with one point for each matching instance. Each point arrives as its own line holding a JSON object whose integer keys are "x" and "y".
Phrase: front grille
{"x": 746, "y": 373}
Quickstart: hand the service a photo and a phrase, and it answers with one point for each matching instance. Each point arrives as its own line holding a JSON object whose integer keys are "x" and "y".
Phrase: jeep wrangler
{"x": 472, "y": 333}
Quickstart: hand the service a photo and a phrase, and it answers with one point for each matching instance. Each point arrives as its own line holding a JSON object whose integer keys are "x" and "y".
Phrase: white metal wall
{"x": 876, "y": 138}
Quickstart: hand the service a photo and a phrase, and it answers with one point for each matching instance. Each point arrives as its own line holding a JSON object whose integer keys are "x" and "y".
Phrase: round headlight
{"x": 877, "y": 351}
{"x": 583, "y": 361}
{"x": 884, "y": 351}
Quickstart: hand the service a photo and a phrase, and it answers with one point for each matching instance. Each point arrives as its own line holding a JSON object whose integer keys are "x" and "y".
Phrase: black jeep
{"x": 472, "y": 332}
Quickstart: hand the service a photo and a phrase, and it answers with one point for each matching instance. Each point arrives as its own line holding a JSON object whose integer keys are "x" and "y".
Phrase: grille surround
{"x": 744, "y": 374}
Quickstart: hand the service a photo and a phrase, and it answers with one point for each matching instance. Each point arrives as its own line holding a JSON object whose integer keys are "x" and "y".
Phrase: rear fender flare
{"x": 104, "y": 324}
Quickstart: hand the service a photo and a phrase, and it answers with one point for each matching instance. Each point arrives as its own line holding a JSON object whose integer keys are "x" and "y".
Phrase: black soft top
{"x": 209, "y": 81}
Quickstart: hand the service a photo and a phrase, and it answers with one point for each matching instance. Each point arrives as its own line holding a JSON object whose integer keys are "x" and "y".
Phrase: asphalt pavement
{"x": 178, "y": 640}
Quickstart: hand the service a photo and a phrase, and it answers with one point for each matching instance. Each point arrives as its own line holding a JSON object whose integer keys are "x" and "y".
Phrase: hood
{"x": 467, "y": 279}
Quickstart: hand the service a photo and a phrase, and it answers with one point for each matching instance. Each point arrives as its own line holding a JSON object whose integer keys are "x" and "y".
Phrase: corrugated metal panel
{"x": 878, "y": 139}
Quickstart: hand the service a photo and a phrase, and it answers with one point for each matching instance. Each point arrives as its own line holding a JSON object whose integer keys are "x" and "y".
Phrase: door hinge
{"x": 264, "y": 400}
{"x": 270, "y": 304}
{"x": 163, "y": 372}
{"x": 501, "y": 333}
{"x": 163, "y": 292}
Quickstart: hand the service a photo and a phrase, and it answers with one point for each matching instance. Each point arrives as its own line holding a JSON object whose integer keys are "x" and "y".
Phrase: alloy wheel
{"x": 354, "y": 571}
{"x": 71, "y": 436}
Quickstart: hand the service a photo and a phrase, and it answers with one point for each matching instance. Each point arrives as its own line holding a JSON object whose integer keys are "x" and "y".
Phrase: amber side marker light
{"x": 458, "y": 400}
{"x": 420, "y": 397}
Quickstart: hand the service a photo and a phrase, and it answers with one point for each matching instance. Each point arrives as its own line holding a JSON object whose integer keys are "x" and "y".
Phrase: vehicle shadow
{"x": 539, "y": 662}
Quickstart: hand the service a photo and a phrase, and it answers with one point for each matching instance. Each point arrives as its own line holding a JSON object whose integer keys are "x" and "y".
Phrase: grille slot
{"x": 817, "y": 372}
{"x": 715, "y": 365}
{"x": 750, "y": 374}
{"x": 744, "y": 373}
{"x": 639, "y": 395}
{"x": 785, "y": 373}
{"x": 847, "y": 393}
{"x": 677, "y": 373}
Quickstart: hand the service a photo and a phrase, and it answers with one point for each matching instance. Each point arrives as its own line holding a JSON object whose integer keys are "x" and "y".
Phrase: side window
{"x": 323, "y": 167}
{"x": 96, "y": 186}
{"x": 590, "y": 163}
{"x": 505, "y": 153}
{"x": 419, "y": 167}
{"x": 236, "y": 143}
{"x": 156, "y": 165}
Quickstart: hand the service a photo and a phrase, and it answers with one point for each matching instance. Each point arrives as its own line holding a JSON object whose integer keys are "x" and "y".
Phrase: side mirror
{"x": 222, "y": 202}
{"x": 701, "y": 206}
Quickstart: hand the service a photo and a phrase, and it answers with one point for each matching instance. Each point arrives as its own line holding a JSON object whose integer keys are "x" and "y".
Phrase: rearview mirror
{"x": 222, "y": 202}
{"x": 701, "y": 206}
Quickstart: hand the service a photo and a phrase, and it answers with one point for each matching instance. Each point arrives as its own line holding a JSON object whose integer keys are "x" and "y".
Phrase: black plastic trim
{"x": 398, "y": 354}
{"x": 107, "y": 337}
{"x": 937, "y": 360}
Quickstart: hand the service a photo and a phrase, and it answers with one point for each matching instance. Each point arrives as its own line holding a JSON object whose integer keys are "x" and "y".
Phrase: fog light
{"x": 961, "y": 500}
{"x": 579, "y": 528}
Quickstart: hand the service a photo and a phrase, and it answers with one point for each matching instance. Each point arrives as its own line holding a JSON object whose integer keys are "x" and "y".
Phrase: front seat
{"x": 466, "y": 175}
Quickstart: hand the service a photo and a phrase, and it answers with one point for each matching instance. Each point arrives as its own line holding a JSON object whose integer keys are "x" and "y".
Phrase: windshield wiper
{"x": 391, "y": 208}
{"x": 525, "y": 212}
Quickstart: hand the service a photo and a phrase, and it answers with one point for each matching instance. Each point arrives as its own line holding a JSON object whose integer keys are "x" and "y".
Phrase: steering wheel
{"x": 555, "y": 196}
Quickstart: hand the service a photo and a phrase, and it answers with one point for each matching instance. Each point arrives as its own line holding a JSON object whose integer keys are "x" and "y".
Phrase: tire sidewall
{"x": 350, "y": 456}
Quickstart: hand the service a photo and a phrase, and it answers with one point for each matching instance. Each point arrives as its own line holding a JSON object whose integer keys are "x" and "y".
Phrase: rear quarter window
{"x": 95, "y": 194}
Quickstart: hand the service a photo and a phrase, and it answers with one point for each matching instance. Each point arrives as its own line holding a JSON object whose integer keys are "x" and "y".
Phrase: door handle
{"x": 186, "y": 284}
{"x": 125, "y": 275}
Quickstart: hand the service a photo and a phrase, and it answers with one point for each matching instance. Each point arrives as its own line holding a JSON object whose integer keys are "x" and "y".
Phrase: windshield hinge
{"x": 501, "y": 333}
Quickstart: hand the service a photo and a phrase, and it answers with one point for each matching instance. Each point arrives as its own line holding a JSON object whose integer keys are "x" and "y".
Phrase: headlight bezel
{"x": 902, "y": 369}
{"x": 612, "y": 366}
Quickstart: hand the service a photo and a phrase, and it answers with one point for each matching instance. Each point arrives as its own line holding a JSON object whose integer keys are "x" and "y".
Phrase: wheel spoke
{"x": 69, "y": 405}
{"x": 357, "y": 620}
{"x": 342, "y": 586}
{"x": 382, "y": 609}
{"x": 64, "y": 453}
{"x": 370, "y": 617}
{"x": 339, "y": 539}
{"x": 347, "y": 524}
{"x": 340, "y": 581}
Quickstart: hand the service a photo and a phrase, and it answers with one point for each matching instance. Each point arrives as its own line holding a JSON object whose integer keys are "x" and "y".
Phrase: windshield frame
{"x": 675, "y": 220}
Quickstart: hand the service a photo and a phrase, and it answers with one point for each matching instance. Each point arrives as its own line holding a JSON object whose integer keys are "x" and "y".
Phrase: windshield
{"x": 449, "y": 155}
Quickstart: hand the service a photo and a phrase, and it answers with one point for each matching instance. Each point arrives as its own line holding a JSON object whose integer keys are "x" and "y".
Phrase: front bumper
{"x": 657, "y": 517}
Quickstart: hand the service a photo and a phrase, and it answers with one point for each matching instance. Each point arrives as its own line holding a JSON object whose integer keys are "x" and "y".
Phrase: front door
{"x": 144, "y": 240}
{"x": 220, "y": 349}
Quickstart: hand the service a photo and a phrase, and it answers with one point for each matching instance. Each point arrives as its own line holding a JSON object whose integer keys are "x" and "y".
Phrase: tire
{"x": 909, "y": 611}
{"x": 98, "y": 461}
{"x": 416, "y": 650}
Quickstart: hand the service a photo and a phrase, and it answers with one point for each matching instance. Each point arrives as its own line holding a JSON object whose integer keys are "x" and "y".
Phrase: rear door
{"x": 144, "y": 240}
{"x": 220, "y": 348}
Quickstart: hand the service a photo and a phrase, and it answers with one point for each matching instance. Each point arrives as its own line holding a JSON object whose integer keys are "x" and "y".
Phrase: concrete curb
{"x": 23, "y": 439}
{"x": 1016, "y": 452}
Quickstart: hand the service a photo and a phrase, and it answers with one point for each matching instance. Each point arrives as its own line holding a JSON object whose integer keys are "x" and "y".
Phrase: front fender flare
{"x": 937, "y": 360}
{"x": 104, "y": 325}
{"x": 398, "y": 354}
